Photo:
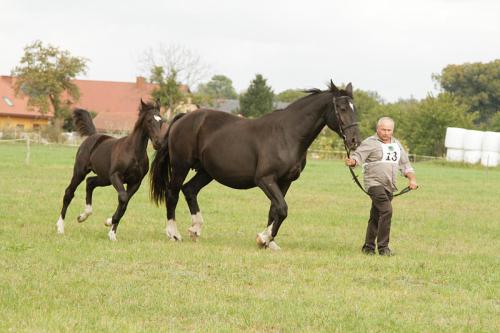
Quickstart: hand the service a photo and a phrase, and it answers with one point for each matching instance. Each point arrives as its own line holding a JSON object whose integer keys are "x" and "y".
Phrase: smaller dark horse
{"x": 115, "y": 162}
{"x": 268, "y": 152}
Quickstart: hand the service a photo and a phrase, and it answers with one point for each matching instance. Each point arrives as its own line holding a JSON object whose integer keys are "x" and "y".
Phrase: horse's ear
{"x": 333, "y": 88}
{"x": 348, "y": 90}
{"x": 158, "y": 104}
{"x": 143, "y": 105}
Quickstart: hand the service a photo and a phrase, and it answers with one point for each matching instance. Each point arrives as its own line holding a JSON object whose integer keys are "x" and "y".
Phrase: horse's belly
{"x": 240, "y": 184}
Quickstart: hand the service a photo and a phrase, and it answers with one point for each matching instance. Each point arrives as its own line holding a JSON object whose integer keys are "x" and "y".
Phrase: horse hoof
{"x": 194, "y": 234}
{"x": 261, "y": 243}
{"x": 273, "y": 246}
{"x": 60, "y": 226}
{"x": 108, "y": 222}
{"x": 174, "y": 237}
{"x": 112, "y": 236}
{"x": 82, "y": 217}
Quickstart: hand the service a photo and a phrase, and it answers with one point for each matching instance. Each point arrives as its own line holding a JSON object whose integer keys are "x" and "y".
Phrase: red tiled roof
{"x": 116, "y": 103}
{"x": 19, "y": 106}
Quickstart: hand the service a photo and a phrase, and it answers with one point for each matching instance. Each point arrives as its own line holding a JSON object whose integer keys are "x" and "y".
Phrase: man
{"x": 381, "y": 156}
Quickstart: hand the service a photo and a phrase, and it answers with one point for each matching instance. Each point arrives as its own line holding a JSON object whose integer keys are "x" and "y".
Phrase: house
{"x": 115, "y": 104}
{"x": 14, "y": 112}
{"x": 233, "y": 105}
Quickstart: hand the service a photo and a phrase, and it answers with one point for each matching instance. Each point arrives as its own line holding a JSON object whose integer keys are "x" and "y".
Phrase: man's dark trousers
{"x": 379, "y": 224}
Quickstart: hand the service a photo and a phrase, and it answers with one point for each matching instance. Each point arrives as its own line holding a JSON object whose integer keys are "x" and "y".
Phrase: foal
{"x": 114, "y": 161}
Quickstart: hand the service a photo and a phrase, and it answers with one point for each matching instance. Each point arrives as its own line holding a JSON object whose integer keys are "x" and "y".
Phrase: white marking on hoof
{"x": 273, "y": 246}
{"x": 172, "y": 232}
{"x": 86, "y": 213}
{"x": 264, "y": 237}
{"x": 195, "y": 228}
{"x": 108, "y": 222}
{"x": 60, "y": 225}
{"x": 112, "y": 235}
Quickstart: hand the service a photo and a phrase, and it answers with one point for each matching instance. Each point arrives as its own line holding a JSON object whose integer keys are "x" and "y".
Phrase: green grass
{"x": 444, "y": 277}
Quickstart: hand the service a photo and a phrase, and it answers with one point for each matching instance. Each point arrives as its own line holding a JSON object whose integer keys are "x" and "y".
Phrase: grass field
{"x": 445, "y": 275}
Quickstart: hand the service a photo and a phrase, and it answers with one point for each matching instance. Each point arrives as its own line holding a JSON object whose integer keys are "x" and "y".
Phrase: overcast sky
{"x": 388, "y": 46}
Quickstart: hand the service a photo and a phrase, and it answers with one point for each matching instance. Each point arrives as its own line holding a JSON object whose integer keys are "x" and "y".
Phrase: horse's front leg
{"x": 277, "y": 213}
{"x": 123, "y": 199}
{"x": 92, "y": 183}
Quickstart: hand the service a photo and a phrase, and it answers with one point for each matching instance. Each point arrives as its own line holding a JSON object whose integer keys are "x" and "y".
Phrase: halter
{"x": 339, "y": 120}
{"x": 348, "y": 151}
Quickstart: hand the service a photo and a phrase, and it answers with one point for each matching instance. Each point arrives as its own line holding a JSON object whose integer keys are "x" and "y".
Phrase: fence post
{"x": 27, "y": 150}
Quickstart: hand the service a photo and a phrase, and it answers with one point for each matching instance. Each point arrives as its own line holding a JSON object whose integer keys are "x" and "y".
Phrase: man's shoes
{"x": 368, "y": 250}
{"x": 385, "y": 252}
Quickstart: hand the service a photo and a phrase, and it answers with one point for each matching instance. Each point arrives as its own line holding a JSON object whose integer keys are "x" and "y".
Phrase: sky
{"x": 389, "y": 46}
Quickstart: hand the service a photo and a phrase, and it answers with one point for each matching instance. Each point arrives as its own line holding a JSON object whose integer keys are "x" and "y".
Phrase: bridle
{"x": 348, "y": 151}
{"x": 339, "y": 120}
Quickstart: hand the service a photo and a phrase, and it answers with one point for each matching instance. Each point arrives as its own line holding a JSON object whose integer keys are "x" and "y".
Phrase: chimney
{"x": 140, "y": 82}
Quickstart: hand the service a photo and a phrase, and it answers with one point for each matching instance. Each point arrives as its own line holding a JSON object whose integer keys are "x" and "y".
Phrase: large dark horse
{"x": 115, "y": 162}
{"x": 268, "y": 152}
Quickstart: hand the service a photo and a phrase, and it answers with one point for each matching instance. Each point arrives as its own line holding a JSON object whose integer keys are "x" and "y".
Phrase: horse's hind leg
{"x": 174, "y": 187}
{"x": 78, "y": 177}
{"x": 92, "y": 183}
{"x": 123, "y": 199}
{"x": 190, "y": 190}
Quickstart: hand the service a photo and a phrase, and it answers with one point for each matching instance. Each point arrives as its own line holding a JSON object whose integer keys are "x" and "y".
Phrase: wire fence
{"x": 71, "y": 139}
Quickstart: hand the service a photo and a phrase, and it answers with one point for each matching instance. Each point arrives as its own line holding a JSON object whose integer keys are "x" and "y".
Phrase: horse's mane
{"x": 313, "y": 92}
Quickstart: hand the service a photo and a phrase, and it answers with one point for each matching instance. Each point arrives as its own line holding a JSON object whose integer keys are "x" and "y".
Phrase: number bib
{"x": 391, "y": 153}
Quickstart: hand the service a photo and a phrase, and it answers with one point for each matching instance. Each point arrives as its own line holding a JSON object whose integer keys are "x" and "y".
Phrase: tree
{"x": 44, "y": 74}
{"x": 477, "y": 85}
{"x": 258, "y": 99}
{"x": 494, "y": 123}
{"x": 426, "y": 128}
{"x": 219, "y": 87}
{"x": 169, "y": 91}
{"x": 187, "y": 65}
{"x": 290, "y": 95}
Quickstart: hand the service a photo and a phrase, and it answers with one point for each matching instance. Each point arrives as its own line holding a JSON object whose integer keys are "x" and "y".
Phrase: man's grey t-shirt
{"x": 381, "y": 162}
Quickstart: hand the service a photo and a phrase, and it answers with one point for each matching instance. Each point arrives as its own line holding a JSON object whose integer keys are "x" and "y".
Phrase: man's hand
{"x": 350, "y": 162}
{"x": 412, "y": 181}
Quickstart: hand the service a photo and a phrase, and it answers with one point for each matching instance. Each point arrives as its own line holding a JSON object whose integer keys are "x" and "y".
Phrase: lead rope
{"x": 356, "y": 180}
{"x": 354, "y": 177}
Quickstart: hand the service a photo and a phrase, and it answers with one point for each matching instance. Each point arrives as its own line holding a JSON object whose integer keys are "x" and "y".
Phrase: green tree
{"x": 290, "y": 95}
{"x": 168, "y": 91}
{"x": 426, "y": 127}
{"x": 258, "y": 99}
{"x": 367, "y": 110}
{"x": 494, "y": 123}
{"x": 477, "y": 85}
{"x": 44, "y": 74}
{"x": 219, "y": 87}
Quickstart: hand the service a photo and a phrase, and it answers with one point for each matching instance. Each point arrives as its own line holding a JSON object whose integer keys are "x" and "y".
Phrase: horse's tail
{"x": 83, "y": 122}
{"x": 160, "y": 173}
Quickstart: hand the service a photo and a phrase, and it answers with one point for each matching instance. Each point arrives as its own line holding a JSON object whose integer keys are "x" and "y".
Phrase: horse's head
{"x": 342, "y": 116}
{"x": 151, "y": 121}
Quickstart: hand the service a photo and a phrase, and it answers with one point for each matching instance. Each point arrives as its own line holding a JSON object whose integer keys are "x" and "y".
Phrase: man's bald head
{"x": 387, "y": 121}
{"x": 385, "y": 127}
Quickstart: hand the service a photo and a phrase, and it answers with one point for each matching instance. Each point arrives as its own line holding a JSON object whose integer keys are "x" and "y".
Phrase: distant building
{"x": 233, "y": 105}
{"x": 14, "y": 113}
{"x": 115, "y": 103}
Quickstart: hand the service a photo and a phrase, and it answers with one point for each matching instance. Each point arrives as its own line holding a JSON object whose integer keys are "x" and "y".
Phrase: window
{"x": 8, "y": 101}
{"x": 20, "y": 127}
{"x": 36, "y": 127}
